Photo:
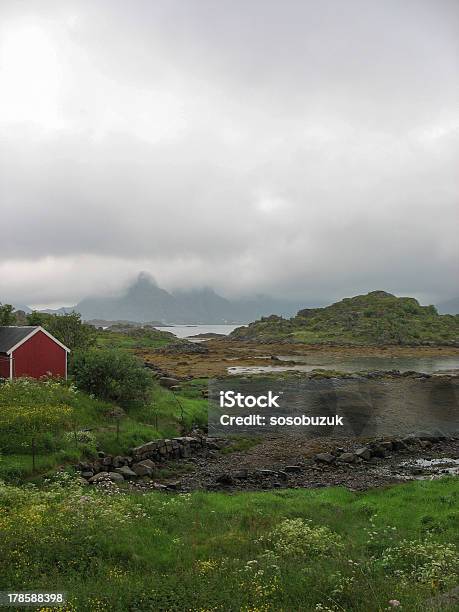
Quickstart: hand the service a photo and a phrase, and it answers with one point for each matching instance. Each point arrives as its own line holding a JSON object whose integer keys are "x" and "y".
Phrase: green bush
{"x": 68, "y": 328}
{"x": 112, "y": 375}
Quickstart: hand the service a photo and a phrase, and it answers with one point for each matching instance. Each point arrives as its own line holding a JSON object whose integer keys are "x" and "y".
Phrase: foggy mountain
{"x": 145, "y": 301}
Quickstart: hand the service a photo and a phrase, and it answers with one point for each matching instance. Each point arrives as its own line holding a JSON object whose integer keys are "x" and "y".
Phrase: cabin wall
{"x": 39, "y": 356}
{"x": 4, "y": 366}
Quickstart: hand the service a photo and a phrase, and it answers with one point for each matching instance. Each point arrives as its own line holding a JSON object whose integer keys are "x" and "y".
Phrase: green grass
{"x": 136, "y": 338}
{"x": 240, "y": 444}
{"x": 166, "y": 414}
{"x": 284, "y": 550}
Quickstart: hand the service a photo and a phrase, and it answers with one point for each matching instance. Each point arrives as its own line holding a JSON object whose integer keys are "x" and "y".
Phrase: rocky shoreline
{"x": 275, "y": 463}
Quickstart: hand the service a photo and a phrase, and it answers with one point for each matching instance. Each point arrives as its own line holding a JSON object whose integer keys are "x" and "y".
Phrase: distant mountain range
{"x": 144, "y": 301}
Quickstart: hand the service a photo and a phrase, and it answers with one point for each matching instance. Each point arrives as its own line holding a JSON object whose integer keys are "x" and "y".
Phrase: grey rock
{"x": 100, "y": 477}
{"x": 145, "y": 449}
{"x": 225, "y": 479}
{"x": 292, "y": 469}
{"x": 106, "y": 476}
{"x": 324, "y": 458}
{"x": 173, "y": 486}
{"x": 126, "y": 472}
{"x": 347, "y": 458}
{"x": 168, "y": 382}
{"x": 264, "y": 472}
{"x": 363, "y": 453}
{"x": 118, "y": 461}
{"x": 377, "y": 450}
{"x": 87, "y": 475}
{"x": 141, "y": 469}
{"x": 241, "y": 474}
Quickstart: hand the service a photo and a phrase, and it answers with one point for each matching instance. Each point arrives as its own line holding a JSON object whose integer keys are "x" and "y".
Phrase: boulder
{"x": 87, "y": 474}
{"x": 168, "y": 382}
{"x": 118, "y": 461}
{"x": 173, "y": 486}
{"x": 324, "y": 458}
{"x": 146, "y": 449}
{"x": 100, "y": 477}
{"x": 241, "y": 474}
{"x": 105, "y": 477}
{"x": 399, "y": 445}
{"x": 225, "y": 479}
{"x": 159, "y": 487}
{"x": 363, "y": 453}
{"x": 142, "y": 469}
{"x": 292, "y": 469}
{"x": 126, "y": 472}
{"x": 347, "y": 458}
{"x": 378, "y": 450}
{"x": 264, "y": 472}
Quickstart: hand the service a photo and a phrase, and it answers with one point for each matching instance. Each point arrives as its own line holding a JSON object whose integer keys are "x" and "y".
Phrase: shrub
{"x": 300, "y": 538}
{"x": 426, "y": 562}
{"x": 112, "y": 375}
{"x": 68, "y": 328}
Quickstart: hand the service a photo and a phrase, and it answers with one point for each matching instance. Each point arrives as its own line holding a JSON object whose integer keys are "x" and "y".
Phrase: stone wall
{"x": 141, "y": 460}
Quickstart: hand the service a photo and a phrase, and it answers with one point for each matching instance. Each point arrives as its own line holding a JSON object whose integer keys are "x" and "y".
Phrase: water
{"x": 424, "y": 469}
{"x": 370, "y": 407}
{"x": 427, "y": 365}
{"x": 185, "y": 331}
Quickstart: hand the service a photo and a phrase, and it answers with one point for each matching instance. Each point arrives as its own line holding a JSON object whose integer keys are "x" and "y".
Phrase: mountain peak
{"x": 145, "y": 278}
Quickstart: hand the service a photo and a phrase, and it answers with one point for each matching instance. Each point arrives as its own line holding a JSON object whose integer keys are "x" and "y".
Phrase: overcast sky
{"x": 297, "y": 148}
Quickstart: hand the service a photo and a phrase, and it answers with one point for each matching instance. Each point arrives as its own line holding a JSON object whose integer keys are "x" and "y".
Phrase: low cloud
{"x": 288, "y": 148}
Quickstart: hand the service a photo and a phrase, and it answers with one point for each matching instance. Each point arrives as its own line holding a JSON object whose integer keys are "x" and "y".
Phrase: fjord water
{"x": 187, "y": 331}
{"x": 368, "y": 407}
{"x": 426, "y": 365}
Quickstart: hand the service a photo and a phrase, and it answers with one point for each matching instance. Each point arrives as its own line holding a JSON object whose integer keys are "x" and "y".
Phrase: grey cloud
{"x": 306, "y": 149}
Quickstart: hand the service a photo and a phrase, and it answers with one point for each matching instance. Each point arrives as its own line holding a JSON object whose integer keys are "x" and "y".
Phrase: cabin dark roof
{"x": 11, "y": 335}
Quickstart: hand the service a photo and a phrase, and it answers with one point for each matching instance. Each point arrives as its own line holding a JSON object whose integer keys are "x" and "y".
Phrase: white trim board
{"x": 32, "y": 333}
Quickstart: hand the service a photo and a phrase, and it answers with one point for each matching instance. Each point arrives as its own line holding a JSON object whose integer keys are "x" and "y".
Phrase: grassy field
{"x": 112, "y": 550}
{"x": 91, "y": 427}
{"x": 326, "y": 549}
{"x": 135, "y": 338}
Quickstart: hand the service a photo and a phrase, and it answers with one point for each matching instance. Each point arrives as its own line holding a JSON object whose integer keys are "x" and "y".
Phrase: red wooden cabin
{"x": 31, "y": 351}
